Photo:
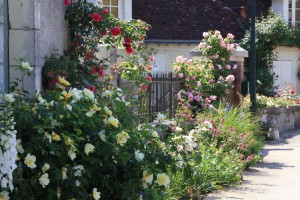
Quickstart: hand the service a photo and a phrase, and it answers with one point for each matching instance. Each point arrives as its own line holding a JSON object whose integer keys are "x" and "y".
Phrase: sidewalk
{"x": 276, "y": 178}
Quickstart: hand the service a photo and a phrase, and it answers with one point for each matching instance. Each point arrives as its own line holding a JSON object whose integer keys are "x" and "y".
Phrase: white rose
{"x": 72, "y": 154}
{"x": 122, "y": 138}
{"x": 4, "y": 195}
{"x": 96, "y": 194}
{"x": 69, "y": 107}
{"x": 139, "y": 156}
{"x": 163, "y": 179}
{"x": 90, "y": 113}
{"x": 89, "y": 148}
{"x": 44, "y": 180}
{"x": 102, "y": 135}
{"x": 88, "y": 93}
{"x": 45, "y": 167}
{"x": 148, "y": 178}
{"x": 30, "y": 161}
{"x": 155, "y": 134}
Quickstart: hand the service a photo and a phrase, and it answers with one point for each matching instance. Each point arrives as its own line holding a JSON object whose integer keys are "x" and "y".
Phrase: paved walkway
{"x": 276, "y": 178}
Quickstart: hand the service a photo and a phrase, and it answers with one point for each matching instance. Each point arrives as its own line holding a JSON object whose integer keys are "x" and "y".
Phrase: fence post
{"x": 170, "y": 97}
{"x": 149, "y": 102}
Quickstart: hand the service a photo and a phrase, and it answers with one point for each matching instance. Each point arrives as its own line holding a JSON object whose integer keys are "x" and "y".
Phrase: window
{"x": 294, "y": 13}
{"x": 112, "y": 6}
{"x": 121, "y": 9}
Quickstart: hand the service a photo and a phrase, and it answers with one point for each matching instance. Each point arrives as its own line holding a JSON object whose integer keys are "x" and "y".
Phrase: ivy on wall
{"x": 271, "y": 31}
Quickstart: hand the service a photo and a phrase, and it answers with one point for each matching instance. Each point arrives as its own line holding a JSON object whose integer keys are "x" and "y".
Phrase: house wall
{"x": 37, "y": 29}
{"x": 165, "y": 54}
{"x": 286, "y": 66}
{"x": 281, "y": 7}
{"x": 1, "y": 48}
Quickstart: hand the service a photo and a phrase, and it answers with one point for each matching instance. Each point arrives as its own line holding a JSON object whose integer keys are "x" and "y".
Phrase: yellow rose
{"x": 113, "y": 121}
{"x": 66, "y": 95}
{"x": 30, "y": 161}
{"x": 63, "y": 81}
{"x": 55, "y": 137}
{"x": 147, "y": 178}
{"x": 122, "y": 138}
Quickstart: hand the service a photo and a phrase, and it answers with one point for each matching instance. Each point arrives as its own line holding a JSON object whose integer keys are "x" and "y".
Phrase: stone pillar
{"x": 236, "y": 58}
{"x": 37, "y": 29}
{"x": 1, "y": 48}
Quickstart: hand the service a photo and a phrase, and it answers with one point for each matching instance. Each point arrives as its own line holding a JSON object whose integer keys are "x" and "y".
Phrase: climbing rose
{"x": 129, "y": 50}
{"x": 292, "y": 91}
{"x": 105, "y": 12}
{"x": 151, "y": 58}
{"x": 230, "y": 78}
{"x": 67, "y": 2}
{"x": 115, "y": 31}
{"x": 96, "y": 17}
{"x": 149, "y": 78}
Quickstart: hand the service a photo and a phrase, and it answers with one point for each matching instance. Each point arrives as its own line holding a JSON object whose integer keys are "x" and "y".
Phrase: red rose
{"x": 151, "y": 58}
{"x": 143, "y": 86}
{"x": 149, "y": 67}
{"x": 149, "y": 78}
{"x": 129, "y": 50}
{"x": 105, "y": 11}
{"x": 93, "y": 71}
{"x": 96, "y": 17}
{"x": 298, "y": 101}
{"x": 127, "y": 42}
{"x": 101, "y": 73}
{"x": 89, "y": 55}
{"x": 292, "y": 91}
{"x": 115, "y": 31}
{"x": 67, "y": 2}
{"x": 91, "y": 87}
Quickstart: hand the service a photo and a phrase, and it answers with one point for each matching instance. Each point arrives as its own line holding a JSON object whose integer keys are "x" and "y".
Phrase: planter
{"x": 280, "y": 120}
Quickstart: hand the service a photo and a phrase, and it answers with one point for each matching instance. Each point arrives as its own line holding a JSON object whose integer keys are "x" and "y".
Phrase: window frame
{"x": 292, "y": 10}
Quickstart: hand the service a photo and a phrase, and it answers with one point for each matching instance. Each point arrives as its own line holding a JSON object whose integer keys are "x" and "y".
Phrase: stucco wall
{"x": 290, "y": 55}
{"x": 38, "y": 28}
{"x": 165, "y": 54}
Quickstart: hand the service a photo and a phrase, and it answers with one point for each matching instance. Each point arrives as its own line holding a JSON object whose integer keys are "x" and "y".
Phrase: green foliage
{"x": 271, "y": 31}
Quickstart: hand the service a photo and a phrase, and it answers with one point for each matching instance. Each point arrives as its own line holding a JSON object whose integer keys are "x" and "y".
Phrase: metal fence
{"x": 160, "y": 97}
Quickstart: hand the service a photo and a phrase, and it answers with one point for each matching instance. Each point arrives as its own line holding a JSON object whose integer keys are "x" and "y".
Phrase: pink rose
{"x": 180, "y": 59}
{"x": 149, "y": 67}
{"x": 219, "y": 66}
{"x": 215, "y": 56}
{"x": 197, "y": 98}
{"x": 151, "y": 58}
{"x": 105, "y": 11}
{"x": 201, "y": 45}
{"x": 190, "y": 97}
{"x": 149, "y": 78}
{"x": 234, "y": 67}
{"x": 213, "y": 97}
{"x": 230, "y": 78}
{"x": 230, "y": 36}
{"x": 228, "y": 67}
{"x": 207, "y": 100}
{"x": 190, "y": 61}
{"x": 198, "y": 84}
{"x": 205, "y": 34}
{"x": 180, "y": 75}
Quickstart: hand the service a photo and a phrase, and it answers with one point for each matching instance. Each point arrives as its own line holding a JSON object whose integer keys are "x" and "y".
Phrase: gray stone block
{"x": 22, "y": 14}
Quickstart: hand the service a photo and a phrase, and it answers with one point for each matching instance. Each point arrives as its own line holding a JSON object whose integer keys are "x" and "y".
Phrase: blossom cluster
{"x": 8, "y": 144}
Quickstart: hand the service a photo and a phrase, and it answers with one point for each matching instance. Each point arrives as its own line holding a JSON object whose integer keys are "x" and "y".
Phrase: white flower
{"x": 107, "y": 111}
{"x": 72, "y": 154}
{"x": 9, "y": 97}
{"x": 45, "y": 167}
{"x": 76, "y": 94}
{"x": 107, "y": 93}
{"x": 147, "y": 178}
{"x": 64, "y": 171}
{"x": 69, "y": 107}
{"x": 88, "y": 93}
{"x": 4, "y": 181}
{"x": 26, "y": 66}
{"x": 30, "y": 161}
{"x": 77, "y": 182}
{"x": 113, "y": 121}
{"x": 90, "y": 113}
{"x": 138, "y": 156}
{"x": 179, "y": 148}
{"x": 178, "y": 129}
{"x": 79, "y": 169}
{"x": 163, "y": 179}
{"x": 44, "y": 180}
{"x": 155, "y": 134}
{"x": 4, "y": 195}
{"x": 122, "y": 138}
{"x": 102, "y": 135}
{"x": 89, "y": 148}
{"x": 160, "y": 117}
{"x": 96, "y": 194}
{"x": 19, "y": 146}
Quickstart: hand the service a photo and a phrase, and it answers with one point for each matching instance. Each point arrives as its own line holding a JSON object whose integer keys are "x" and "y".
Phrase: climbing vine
{"x": 271, "y": 31}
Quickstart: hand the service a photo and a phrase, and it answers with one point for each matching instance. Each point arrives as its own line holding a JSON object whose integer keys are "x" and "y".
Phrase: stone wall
{"x": 1, "y": 48}
{"x": 280, "y": 120}
{"x": 37, "y": 29}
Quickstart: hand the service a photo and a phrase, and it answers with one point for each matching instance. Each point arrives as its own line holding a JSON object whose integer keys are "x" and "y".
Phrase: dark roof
{"x": 188, "y": 19}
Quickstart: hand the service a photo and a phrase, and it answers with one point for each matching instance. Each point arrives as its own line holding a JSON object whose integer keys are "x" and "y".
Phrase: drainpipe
{"x": 253, "y": 59}
{"x": 6, "y": 45}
